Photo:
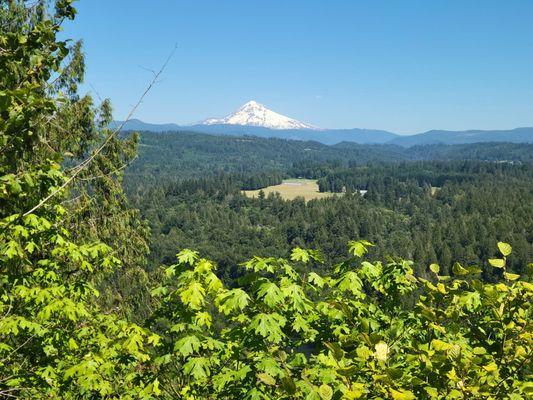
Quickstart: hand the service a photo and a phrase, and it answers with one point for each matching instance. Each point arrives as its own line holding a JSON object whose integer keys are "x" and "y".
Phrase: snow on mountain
{"x": 255, "y": 114}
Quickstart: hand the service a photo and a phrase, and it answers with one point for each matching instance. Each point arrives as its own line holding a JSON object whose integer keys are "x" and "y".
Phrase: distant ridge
{"x": 326, "y": 136}
{"x": 517, "y": 135}
{"x": 334, "y": 136}
{"x": 138, "y": 125}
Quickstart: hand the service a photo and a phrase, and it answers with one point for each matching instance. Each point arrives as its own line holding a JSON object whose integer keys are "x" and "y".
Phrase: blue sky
{"x": 405, "y": 66}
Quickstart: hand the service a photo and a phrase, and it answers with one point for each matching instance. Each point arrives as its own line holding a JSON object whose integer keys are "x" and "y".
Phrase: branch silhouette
{"x": 78, "y": 168}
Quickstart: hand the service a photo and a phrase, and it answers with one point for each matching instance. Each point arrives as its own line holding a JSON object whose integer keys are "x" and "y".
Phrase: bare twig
{"x": 96, "y": 92}
{"x": 148, "y": 69}
{"x": 90, "y": 178}
{"x": 87, "y": 161}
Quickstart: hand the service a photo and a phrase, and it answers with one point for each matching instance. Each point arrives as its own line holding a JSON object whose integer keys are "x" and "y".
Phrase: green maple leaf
{"x": 235, "y": 299}
{"x": 198, "y": 367}
{"x": 316, "y": 279}
{"x": 270, "y": 366}
{"x": 187, "y": 256}
{"x": 187, "y": 345}
{"x": 359, "y": 248}
{"x": 269, "y": 326}
{"x": 299, "y": 254}
{"x": 300, "y": 323}
{"x": 350, "y": 282}
{"x": 193, "y": 295}
{"x": 270, "y": 293}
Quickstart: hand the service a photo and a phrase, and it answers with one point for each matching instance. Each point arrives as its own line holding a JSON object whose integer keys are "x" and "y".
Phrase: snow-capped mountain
{"x": 255, "y": 114}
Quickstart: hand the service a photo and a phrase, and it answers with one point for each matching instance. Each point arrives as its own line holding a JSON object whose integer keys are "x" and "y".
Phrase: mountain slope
{"x": 325, "y": 136}
{"x": 518, "y": 135}
{"x": 255, "y": 114}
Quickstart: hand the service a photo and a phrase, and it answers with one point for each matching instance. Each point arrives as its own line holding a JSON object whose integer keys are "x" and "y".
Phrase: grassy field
{"x": 292, "y": 188}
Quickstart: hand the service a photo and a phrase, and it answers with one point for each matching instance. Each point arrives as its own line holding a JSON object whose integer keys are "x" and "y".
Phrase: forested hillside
{"x": 181, "y": 155}
{"x": 316, "y": 312}
{"x": 432, "y": 212}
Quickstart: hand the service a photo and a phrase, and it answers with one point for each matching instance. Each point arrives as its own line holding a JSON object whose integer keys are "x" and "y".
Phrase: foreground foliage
{"x": 288, "y": 333}
{"x": 55, "y": 342}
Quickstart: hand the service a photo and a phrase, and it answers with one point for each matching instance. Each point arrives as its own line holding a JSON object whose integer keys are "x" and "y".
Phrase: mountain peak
{"x": 252, "y": 106}
{"x": 252, "y": 103}
{"x": 254, "y": 114}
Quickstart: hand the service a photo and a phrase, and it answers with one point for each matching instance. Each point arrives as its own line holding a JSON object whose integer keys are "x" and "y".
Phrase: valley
{"x": 202, "y": 191}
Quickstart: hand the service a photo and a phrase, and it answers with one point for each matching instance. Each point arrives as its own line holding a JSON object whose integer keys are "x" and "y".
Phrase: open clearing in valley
{"x": 289, "y": 189}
